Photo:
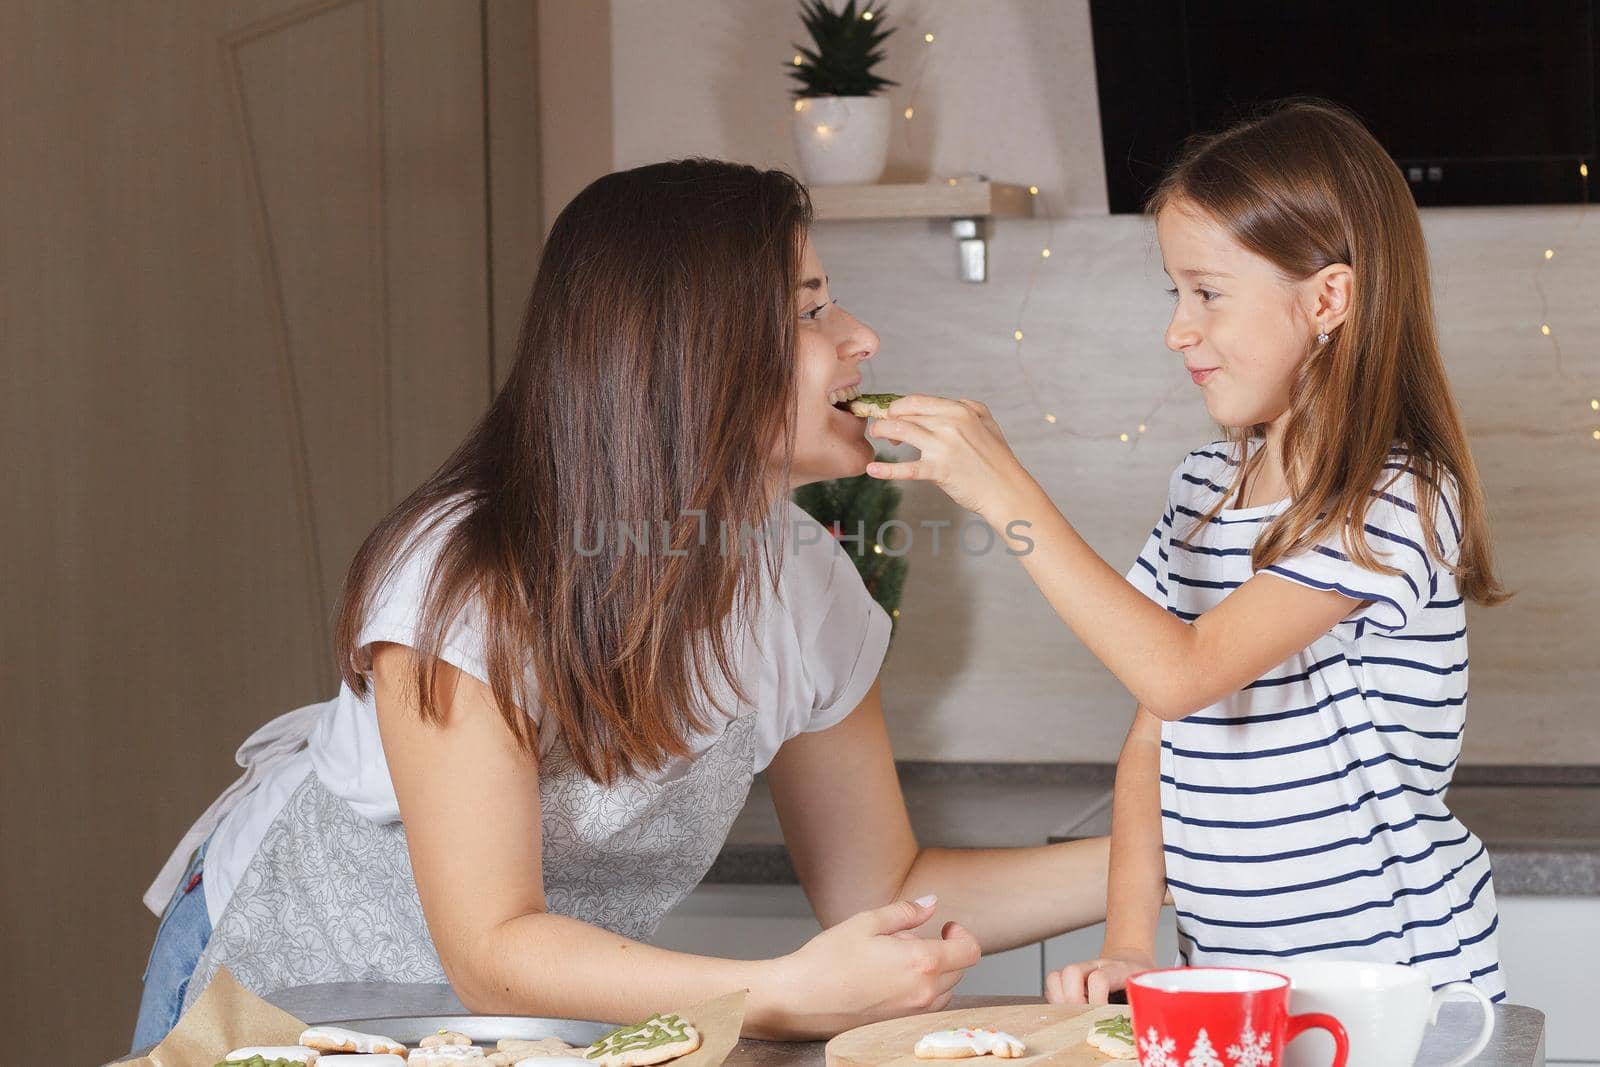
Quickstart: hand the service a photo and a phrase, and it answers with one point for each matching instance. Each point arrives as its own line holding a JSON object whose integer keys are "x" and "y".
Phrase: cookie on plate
{"x": 511, "y": 1050}
{"x": 545, "y": 1046}
{"x": 327, "y": 1039}
{"x": 451, "y": 1055}
{"x": 964, "y": 1042}
{"x": 270, "y": 1056}
{"x": 1113, "y": 1037}
{"x": 656, "y": 1040}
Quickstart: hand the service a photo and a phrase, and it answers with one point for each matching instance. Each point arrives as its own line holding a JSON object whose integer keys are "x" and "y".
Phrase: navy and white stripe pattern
{"x": 1305, "y": 816}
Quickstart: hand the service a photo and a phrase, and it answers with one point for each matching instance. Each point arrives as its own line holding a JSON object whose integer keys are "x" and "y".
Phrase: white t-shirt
{"x": 810, "y": 658}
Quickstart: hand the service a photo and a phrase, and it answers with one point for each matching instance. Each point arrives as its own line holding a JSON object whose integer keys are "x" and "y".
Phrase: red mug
{"x": 1219, "y": 1017}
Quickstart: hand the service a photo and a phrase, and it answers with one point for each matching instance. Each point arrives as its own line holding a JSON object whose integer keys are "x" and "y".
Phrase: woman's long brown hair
{"x": 654, "y": 380}
{"x": 1305, "y": 186}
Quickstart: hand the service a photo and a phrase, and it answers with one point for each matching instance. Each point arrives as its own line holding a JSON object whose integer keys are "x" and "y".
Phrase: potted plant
{"x": 841, "y": 123}
{"x": 856, "y": 511}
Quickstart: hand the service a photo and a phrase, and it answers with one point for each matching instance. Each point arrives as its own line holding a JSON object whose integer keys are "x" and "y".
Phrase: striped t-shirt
{"x": 1304, "y": 816}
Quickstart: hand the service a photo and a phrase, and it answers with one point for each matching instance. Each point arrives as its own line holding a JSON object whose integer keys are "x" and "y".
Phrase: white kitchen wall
{"x": 980, "y": 669}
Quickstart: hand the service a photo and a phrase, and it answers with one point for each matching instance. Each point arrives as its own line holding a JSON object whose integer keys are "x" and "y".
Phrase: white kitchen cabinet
{"x": 751, "y": 922}
{"x": 1085, "y": 944}
{"x": 1548, "y": 949}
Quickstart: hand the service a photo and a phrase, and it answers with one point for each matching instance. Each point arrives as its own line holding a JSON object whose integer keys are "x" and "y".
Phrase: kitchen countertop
{"x": 1541, "y": 824}
{"x": 1518, "y": 1039}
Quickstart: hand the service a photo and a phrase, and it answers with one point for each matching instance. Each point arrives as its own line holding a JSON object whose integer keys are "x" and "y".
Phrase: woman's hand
{"x": 868, "y": 968}
{"x": 1093, "y": 981}
{"x": 963, "y": 452}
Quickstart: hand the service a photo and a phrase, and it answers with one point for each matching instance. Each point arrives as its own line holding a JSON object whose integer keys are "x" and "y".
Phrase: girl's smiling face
{"x": 1240, "y": 325}
{"x": 830, "y": 345}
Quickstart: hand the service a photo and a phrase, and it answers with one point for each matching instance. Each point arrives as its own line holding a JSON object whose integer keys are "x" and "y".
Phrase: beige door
{"x": 246, "y": 302}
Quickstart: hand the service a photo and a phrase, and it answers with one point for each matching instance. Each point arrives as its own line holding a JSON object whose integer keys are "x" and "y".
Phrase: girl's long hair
{"x": 1304, "y": 186}
{"x": 654, "y": 383}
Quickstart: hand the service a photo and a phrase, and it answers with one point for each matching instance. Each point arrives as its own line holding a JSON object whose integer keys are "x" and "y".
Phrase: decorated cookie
{"x": 441, "y": 1038}
{"x": 447, "y": 1056}
{"x": 270, "y": 1056}
{"x": 545, "y": 1046}
{"x": 362, "y": 1059}
{"x": 1113, "y": 1037}
{"x": 872, "y": 405}
{"x": 967, "y": 1041}
{"x": 547, "y": 1051}
{"x": 656, "y": 1040}
{"x": 336, "y": 1039}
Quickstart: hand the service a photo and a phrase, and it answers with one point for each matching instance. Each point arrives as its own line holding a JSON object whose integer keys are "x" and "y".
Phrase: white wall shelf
{"x": 922, "y": 200}
{"x": 969, "y": 205}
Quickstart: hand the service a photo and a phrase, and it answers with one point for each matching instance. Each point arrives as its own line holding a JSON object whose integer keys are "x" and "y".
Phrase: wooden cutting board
{"x": 1054, "y": 1034}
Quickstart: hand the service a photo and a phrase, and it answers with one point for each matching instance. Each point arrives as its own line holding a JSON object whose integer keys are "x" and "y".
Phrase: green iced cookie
{"x": 873, "y": 405}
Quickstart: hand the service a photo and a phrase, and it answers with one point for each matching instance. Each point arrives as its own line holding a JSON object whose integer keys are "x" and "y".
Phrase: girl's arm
{"x": 844, "y": 821}
{"x": 1138, "y": 879}
{"x": 469, "y": 799}
{"x": 1173, "y": 668}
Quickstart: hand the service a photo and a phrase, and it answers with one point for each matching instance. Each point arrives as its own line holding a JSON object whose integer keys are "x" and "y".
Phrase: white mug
{"x": 1384, "y": 1007}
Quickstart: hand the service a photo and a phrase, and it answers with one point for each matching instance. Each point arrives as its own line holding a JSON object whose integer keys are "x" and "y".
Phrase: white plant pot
{"x": 842, "y": 140}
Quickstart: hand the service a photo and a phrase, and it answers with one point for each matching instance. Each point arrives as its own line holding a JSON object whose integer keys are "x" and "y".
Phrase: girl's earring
{"x": 1322, "y": 337}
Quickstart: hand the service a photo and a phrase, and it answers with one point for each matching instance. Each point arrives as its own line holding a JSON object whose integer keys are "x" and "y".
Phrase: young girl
{"x": 1294, "y": 628}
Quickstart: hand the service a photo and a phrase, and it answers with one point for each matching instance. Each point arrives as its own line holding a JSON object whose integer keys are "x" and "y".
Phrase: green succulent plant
{"x": 846, "y": 47}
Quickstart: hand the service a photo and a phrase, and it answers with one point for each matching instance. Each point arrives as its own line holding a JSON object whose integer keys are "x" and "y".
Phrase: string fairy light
{"x": 1545, "y": 329}
{"x": 1125, "y": 437}
{"x": 910, "y": 112}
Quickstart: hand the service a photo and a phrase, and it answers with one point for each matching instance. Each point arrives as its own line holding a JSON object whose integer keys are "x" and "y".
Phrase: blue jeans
{"x": 185, "y": 929}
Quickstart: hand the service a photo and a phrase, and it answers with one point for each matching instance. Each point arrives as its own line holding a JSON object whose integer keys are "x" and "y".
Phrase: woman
{"x": 547, "y": 724}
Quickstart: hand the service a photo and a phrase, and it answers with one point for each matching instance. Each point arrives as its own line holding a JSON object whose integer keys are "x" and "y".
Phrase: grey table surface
{"x": 1518, "y": 1035}
{"x": 1541, "y": 824}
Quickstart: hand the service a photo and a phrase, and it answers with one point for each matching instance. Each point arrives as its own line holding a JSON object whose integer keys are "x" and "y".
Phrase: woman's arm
{"x": 469, "y": 799}
{"x": 844, "y": 821}
{"x": 1173, "y": 668}
{"x": 1138, "y": 879}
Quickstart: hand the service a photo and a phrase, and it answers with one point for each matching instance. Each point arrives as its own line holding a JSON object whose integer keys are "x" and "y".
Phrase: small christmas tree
{"x": 1203, "y": 1055}
{"x": 849, "y": 506}
{"x": 846, "y": 51}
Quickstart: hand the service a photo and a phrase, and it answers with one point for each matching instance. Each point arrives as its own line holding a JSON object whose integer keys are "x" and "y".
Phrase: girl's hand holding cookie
{"x": 963, "y": 452}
